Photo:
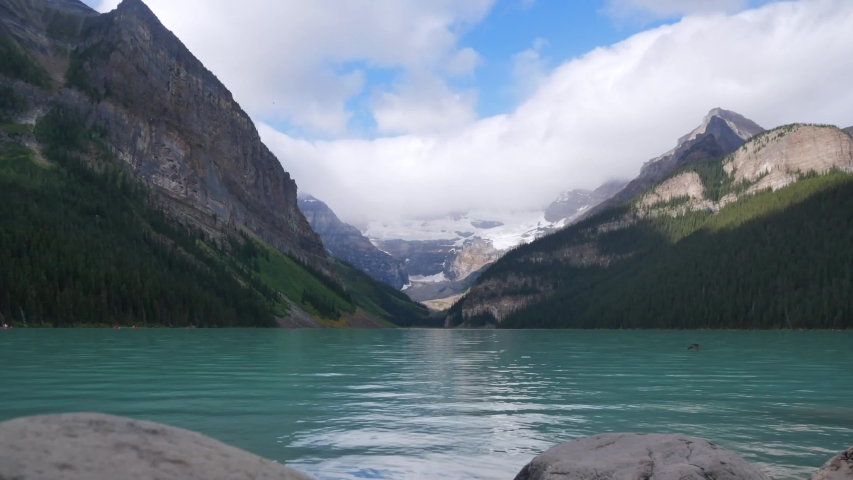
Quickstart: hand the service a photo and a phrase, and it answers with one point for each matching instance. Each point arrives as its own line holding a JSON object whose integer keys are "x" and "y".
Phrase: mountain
{"x": 849, "y": 131}
{"x": 756, "y": 238}
{"x": 443, "y": 255}
{"x": 435, "y": 249}
{"x": 720, "y": 133}
{"x": 572, "y": 204}
{"x": 137, "y": 191}
{"x": 347, "y": 243}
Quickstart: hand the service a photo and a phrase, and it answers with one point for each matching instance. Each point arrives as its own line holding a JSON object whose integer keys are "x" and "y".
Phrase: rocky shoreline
{"x": 92, "y": 446}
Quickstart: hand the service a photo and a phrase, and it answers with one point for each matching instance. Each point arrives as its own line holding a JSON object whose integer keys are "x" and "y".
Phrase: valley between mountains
{"x": 136, "y": 191}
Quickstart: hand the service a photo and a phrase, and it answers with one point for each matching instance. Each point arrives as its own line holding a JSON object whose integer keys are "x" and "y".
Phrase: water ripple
{"x": 443, "y": 404}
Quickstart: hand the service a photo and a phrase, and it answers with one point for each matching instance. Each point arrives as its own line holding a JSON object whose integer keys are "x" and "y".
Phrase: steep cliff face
{"x": 775, "y": 159}
{"x": 167, "y": 117}
{"x": 347, "y": 243}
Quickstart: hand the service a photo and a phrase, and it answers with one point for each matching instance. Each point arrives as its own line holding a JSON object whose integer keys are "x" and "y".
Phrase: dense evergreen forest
{"x": 82, "y": 243}
{"x": 79, "y": 246}
{"x": 772, "y": 260}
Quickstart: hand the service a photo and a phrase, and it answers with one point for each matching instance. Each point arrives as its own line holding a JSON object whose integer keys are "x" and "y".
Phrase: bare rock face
{"x": 776, "y": 158}
{"x": 347, "y": 243}
{"x": 686, "y": 185}
{"x": 174, "y": 124}
{"x": 637, "y": 456}
{"x": 839, "y": 468}
{"x": 89, "y": 446}
{"x": 475, "y": 254}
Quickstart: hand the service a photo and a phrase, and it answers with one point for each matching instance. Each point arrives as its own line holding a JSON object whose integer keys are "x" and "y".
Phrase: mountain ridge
{"x": 713, "y": 137}
{"x": 576, "y": 268}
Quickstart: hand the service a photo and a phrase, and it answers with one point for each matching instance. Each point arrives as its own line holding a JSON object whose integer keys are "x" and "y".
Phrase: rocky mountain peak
{"x": 721, "y": 132}
{"x": 714, "y": 123}
{"x": 140, "y": 10}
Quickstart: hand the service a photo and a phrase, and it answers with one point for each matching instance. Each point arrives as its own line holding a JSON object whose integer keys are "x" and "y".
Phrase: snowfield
{"x": 517, "y": 228}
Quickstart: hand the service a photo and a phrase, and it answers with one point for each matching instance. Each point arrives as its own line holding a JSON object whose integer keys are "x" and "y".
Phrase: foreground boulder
{"x": 839, "y": 468}
{"x": 638, "y": 456}
{"x": 88, "y": 446}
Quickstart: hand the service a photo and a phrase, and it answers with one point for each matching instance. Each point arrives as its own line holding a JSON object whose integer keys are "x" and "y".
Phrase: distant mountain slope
{"x": 756, "y": 239}
{"x": 347, "y": 243}
{"x": 572, "y": 204}
{"x": 720, "y": 133}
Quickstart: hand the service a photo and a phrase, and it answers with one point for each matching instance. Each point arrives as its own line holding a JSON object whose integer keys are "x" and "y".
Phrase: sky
{"x": 416, "y": 108}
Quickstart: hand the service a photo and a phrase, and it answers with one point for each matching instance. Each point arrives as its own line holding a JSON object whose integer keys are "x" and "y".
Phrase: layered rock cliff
{"x": 347, "y": 243}
{"x": 163, "y": 114}
{"x": 775, "y": 159}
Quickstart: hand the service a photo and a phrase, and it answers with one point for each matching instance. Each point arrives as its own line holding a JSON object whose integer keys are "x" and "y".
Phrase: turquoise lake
{"x": 411, "y": 404}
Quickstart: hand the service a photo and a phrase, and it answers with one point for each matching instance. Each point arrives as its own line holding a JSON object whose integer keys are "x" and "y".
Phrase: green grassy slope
{"x": 383, "y": 300}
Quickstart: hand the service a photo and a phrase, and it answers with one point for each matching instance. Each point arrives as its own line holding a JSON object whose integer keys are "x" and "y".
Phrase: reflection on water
{"x": 449, "y": 404}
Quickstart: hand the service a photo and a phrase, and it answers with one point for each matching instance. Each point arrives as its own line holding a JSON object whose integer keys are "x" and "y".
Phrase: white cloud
{"x": 671, "y": 8}
{"x": 595, "y": 117}
{"x": 529, "y": 68}
{"x": 422, "y": 104}
{"x": 301, "y": 61}
{"x": 464, "y": 63}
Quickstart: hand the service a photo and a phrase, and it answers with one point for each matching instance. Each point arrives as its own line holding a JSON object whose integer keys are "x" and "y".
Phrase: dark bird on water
{"x": 693, "y": 346}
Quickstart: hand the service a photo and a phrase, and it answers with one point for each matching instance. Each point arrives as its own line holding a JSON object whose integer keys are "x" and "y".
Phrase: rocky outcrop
{"x": 572, "y": 204}
{"x": 475, "y": 254}
{"x": 168, "y": 118}
{"x": 720, "y": 133}
{"x": 686, "y": 186}
{"x": 347, "y": 243}
{"x": 776, "y": 158}
{"x": 637, "y": 456}
{"x": 839, "y": 467}
{"x": 89, "y": 446}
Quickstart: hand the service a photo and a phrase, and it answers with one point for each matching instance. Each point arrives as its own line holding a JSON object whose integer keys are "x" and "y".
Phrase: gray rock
{"x": 637, "y": 456}
{"x": 347, "y": 243}
{"x": 89, "y": 446}
{"x": 839, "y": 468}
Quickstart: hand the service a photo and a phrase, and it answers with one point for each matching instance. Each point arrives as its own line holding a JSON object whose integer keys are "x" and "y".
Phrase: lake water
{"x": 411, "y": 404}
